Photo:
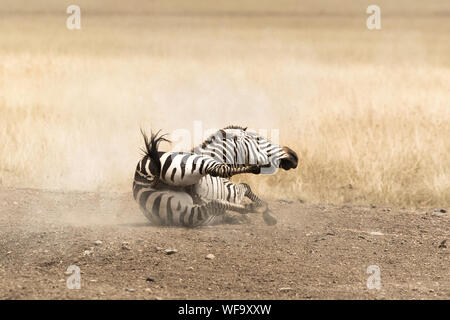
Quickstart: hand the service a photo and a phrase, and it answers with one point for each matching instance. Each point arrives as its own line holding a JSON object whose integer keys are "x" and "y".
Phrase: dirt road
{"x": 314, "y": 252}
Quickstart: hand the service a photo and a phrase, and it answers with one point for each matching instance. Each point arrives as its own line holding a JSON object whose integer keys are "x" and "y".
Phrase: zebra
{"x": 174, "y": 188}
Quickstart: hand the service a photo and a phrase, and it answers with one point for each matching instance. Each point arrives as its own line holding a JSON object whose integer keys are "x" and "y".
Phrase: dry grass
{"x": 368, "y": 111}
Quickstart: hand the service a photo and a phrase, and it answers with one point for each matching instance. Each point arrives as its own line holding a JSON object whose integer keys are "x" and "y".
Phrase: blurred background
{"x": 368, "y": 111}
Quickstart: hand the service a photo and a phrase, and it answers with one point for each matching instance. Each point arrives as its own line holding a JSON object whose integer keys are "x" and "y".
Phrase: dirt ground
{"x": 314, "y": 252}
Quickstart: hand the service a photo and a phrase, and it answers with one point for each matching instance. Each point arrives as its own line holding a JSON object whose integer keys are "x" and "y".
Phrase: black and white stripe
{"x": 228, "y": 152}
{"x": 191, "y": 189}
{"x": 215, "y": 188}
{"x": 185, "y": 169}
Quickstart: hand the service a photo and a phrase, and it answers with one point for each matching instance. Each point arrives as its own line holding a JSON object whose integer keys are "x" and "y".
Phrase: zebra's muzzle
{"x": 289, "y": 162}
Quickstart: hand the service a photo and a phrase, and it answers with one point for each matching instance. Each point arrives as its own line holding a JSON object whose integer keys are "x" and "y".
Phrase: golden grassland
{"x": 367, "y": 111}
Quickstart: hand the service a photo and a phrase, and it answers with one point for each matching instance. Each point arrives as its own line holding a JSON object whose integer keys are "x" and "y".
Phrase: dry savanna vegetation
{"x": 367, "y": 111}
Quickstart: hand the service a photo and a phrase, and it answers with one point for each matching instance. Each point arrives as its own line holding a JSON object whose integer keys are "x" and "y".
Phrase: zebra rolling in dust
{"x": 193, "y": 189}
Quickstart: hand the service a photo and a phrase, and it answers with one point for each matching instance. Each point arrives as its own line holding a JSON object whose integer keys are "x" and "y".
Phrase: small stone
{"x": 93, "y": 280}
{"x": 439, "y": 213}
{"x": 87, "y": 252}
{"x": 210, "y": 256}
{"x": 285, "y": 289}
{"x": 376, "y": 233}
{"x": 149, "y": 279}
{"x": 190, "y": 268}
{"x": 98, "y": 243}
{"x": 158, "y": 298}
{"x": 158, "y": 248}
{"x": 170, "y": 251}
{"x": 148, "y": 290}
{"x": 125, "y": 246}
{"x": 285, "y": 201}
{"x": 130, "y": 290}
{"x": 15, "y": 203}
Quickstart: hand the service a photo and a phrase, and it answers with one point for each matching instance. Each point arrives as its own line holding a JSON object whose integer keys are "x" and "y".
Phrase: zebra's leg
{"x": 258, "y": 205}
{"x": 243, "y": 209}
{"x": 182, "y": 170}
{"x": 229, "y": 218}
{"x": 216, "y": 213}
{"x": 227, "y": 171}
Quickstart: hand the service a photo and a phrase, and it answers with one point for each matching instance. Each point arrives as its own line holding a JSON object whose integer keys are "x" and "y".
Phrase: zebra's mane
{"x": 235, "y": 127}
{"x": 222, "y": 133}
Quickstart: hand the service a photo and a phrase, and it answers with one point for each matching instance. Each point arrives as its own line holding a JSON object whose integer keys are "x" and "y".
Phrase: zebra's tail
{"x": 151, "y": 147}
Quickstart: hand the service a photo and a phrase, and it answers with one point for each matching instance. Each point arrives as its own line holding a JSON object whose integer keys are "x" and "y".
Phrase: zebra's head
{"x": 236, "y": 145}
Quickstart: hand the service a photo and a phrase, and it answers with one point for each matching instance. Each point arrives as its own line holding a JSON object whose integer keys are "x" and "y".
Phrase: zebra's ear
{"x": 245, "y": 129}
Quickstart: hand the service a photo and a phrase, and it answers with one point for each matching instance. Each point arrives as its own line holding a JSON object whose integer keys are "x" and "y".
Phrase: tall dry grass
{"x": 368, "y": 111}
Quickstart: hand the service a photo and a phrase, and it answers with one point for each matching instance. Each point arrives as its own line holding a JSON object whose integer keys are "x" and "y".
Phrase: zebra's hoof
{"x": 269, "y": 219}
{"x": 255, "y": 169}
